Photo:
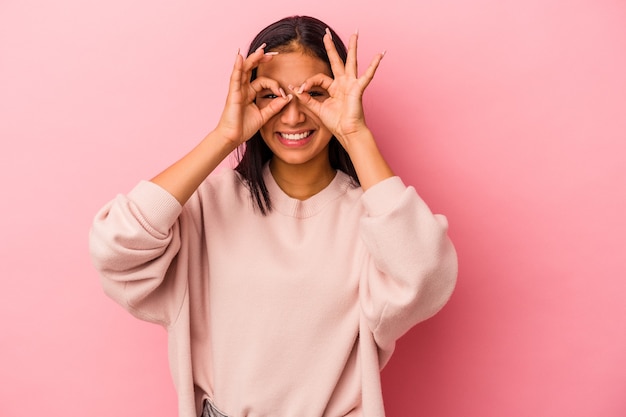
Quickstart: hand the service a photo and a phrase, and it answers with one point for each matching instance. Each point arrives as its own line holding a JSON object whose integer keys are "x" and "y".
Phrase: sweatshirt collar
{"x": 301, "y": 209}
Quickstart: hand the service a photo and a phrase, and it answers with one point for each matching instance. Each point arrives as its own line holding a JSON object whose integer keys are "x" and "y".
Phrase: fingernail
{"x": 383, "y": 53}
{"x": 328, "y": 33}
{"x": 261, "y": 47}
{"x": 301, "y": 89}
{"x": 356, "y": 32}
{"x": 271, "y": 53}
{"x": 282, "y": 92}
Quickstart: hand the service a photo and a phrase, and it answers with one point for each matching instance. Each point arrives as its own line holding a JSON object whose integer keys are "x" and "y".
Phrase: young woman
{"x": 285, "y": 282}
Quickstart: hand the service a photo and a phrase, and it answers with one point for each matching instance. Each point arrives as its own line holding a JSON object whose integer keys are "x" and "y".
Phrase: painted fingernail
{"x": 271, "y": 53}
{"x": 356, "y": 32}
{"x": 261, "y": 47}
{"x": 328, "y": 33}
{"x": 383, "y": 53}
{"x": 282, "y": 92}
{"x": 301, "y": 89}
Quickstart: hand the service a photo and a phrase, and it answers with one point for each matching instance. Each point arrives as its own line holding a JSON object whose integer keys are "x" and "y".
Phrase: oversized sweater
{"x": 292, "y": 314}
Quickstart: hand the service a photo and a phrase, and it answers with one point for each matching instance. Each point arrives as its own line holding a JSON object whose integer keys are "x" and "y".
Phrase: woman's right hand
{"x": 241, "y": 117}
{"x": 240, "y": 120}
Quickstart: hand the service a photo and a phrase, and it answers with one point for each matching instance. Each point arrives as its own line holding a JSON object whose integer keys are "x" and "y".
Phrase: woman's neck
{"x": 303, "y": 180}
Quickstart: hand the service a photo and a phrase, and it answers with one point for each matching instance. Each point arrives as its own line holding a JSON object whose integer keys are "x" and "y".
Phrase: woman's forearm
{"x": 183, "y": 177}
{"x": 369, "y": 163}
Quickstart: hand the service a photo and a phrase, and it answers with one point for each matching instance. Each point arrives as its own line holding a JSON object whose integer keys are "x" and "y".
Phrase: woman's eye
{"x": 269, "y": 96}
{"x": 318, "y": 95}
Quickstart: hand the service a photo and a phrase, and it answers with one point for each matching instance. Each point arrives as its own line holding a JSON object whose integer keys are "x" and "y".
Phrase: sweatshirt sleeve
{"x": 412, "y": 266}
{"x": 134, "y": 242}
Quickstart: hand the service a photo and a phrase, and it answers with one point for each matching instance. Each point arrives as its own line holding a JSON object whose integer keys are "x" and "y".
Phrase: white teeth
{"x": 297, "y": 136}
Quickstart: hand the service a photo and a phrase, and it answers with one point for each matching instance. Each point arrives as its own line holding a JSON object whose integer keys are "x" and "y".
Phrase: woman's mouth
{"x": 295, "y": 139}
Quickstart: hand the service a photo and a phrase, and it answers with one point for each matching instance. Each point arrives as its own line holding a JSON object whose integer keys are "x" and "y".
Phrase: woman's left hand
{"x": 342, "y": 111}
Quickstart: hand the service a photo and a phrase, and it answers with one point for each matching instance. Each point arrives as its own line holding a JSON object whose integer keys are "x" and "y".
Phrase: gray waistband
{"x": 209, "y": 410}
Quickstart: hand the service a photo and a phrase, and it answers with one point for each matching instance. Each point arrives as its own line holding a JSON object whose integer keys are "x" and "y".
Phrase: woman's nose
{"x": 292, "y": 113}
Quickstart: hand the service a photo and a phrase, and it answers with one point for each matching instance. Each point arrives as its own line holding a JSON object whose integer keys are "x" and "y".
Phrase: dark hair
{"x": 288, "y": 34}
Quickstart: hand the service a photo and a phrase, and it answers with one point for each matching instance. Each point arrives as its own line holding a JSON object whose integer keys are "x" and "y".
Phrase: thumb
{"x": 274, "y": 107}
{"x": 304, "y": 98}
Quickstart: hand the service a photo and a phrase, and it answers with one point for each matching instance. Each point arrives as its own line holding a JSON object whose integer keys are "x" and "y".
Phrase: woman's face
{"x": 295, "y": 135}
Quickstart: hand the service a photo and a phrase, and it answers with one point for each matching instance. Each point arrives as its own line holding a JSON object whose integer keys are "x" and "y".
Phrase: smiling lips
{"x": 295, "y": 139}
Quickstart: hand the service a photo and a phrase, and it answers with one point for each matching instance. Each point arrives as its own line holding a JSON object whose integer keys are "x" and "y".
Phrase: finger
{"x": 318, "y": 80}
{"x": 264, "y": 57}
{"x": 268, "y": 56}
{"x": 254, "y": 59}
{"x": 301, "y": 94}
{"x": 320, "y": 84}
{"x": 234, "y": 85}
{"x": 274, "y": 106}
{"x": 367, "y": 77}
{"x": 264, "y": 83}
{"x": 313, "y": 105}
{"x": 351, "y": 61}
{"x": 336, "y": 64}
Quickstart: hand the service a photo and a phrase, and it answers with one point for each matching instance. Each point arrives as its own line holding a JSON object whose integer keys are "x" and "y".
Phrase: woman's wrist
{"x": 356, "y": 136}
{"x": 218, "y": 143}
{"x": 370, "y": 165}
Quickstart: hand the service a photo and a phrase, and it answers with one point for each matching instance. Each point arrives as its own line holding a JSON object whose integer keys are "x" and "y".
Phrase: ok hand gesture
{"x": 241, "y": 117}
{"x": 342, "y": 111}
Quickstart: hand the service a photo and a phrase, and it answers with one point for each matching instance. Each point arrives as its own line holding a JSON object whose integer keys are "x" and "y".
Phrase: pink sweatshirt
{"x": 288, "y": 315}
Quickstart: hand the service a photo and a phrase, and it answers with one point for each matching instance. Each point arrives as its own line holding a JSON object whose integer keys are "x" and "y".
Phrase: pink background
{"x": 508, "y": 116}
